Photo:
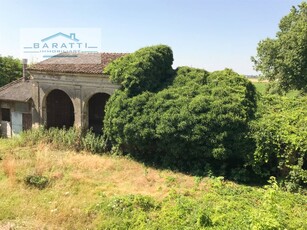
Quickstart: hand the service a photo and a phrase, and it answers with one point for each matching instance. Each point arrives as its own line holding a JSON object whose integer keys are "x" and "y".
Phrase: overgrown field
{"x": 168, "y": 159}
{"x": 44, "y": 188}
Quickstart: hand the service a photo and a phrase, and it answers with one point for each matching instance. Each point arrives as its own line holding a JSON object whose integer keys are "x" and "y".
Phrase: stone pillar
{"x": 77, "y": 106}
{"x": 36, "y": 118}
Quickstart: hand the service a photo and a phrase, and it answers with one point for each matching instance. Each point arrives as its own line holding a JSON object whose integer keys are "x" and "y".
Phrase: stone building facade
{"x": 69, "y": 90}
{"x": 15, "y": 107}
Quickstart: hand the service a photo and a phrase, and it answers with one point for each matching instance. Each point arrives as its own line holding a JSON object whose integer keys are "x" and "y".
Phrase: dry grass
{"x": 9, "y": 167}
{"x": 76, "y": 183}
{"x": 257, "y": 80}
{"x": 81, "y": 182}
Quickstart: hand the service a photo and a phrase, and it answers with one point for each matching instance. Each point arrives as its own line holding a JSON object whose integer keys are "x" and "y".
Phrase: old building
{"x": 16, "y": 106}
{"x": 65, "y": 90}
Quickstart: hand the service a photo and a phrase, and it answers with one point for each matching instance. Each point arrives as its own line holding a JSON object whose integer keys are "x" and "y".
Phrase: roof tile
{"x": 18, "y": 90}
{"x": 89, "y": 63}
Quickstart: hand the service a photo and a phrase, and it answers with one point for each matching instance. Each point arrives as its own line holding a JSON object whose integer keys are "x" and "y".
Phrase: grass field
{"x": 262, "y": 86}
{"x": 86, "y": 191}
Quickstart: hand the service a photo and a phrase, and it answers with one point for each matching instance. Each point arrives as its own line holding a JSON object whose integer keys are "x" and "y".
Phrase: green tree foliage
{"x": 195, "y": 117}
{"x": 10, "y": 70}
{"x": 283, "y": 60}
{"x": 145, "y": 69}
{"x": 280, "y": 132}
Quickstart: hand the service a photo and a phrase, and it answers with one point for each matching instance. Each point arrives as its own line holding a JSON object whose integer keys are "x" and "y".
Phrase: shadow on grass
{"x": 232, "y": 171}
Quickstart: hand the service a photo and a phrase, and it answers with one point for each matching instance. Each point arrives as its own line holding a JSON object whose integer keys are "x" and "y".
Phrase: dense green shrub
{"x": 145, "y": 69}
{"x": 195, "y": 117}
{"x": 280, "y": 132}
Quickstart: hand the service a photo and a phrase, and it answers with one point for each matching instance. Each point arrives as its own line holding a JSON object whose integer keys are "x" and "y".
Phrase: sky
{"x": 208, "y": 34}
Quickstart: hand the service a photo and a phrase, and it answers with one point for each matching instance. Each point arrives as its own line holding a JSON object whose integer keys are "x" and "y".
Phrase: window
{"x": 6, "y": 115}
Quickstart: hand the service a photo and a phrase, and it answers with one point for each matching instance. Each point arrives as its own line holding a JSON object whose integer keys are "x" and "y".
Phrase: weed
{"x": 72, "y": 139}
{"x": 197, "y": 180}
{"x": 107, "y": 192}
{"x": 37, "y": 181}
{"x": 170, "y": 181}
{"x": 9, "y": 167}
{"x": 217, "y": 182}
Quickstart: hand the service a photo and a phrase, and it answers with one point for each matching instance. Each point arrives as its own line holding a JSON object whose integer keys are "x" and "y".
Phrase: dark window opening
{"x": 60, "y": 110}
{"x": 96, "y": 106}
{"x": 5, "y": 114}
{"x": 26, "y": 121}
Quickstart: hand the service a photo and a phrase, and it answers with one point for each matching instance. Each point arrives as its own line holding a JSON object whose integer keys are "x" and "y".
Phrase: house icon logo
{"x": 42, "y": 43}
{"x": 71, "y": 36}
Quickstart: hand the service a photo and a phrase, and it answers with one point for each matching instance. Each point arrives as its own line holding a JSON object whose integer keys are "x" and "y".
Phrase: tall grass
{"x": 63, "y": 139}
{"x": 56, "y": 189}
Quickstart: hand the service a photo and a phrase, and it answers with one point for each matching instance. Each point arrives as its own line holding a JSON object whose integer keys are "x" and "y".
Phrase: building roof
{"x": 88, "y": 63}
{"x": 18, "y": 90}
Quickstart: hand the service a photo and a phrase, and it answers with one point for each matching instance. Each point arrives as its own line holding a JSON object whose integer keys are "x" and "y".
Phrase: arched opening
{"x": 96, "y": 106}
{"x": 60, "y": 110}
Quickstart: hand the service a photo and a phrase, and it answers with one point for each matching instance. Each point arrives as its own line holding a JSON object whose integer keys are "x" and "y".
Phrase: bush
{"x": 37, "y": 181}
{"x": 280, "y": 133}
{"x": 197, "y": 116}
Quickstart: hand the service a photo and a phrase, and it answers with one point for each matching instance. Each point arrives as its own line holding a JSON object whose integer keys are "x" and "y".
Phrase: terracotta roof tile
{"x": 89, "y": 63}
{"x": 18, "y": 90}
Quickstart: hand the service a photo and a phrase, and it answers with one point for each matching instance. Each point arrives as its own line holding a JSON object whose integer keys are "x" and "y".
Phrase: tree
{"x": 10, "y": 70}
{"x": 283, "y": 60}
{"x": 179, "y": 118}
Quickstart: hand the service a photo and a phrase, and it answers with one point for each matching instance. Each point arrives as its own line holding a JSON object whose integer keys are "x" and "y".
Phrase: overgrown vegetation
{"x": 223, "y": 210}
{"x": 211, "y": 126}
{"x": 63, "y": 139}
{"x": 189, "y": 118}
{"x": 195, "y": 122}
{"x": 280, "y": 133}
{"x": 111, "y": 192}
{"x": 204, "y": 123}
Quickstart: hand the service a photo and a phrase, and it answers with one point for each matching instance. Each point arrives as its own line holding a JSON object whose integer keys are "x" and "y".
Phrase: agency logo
{"x": 39, "y": 44}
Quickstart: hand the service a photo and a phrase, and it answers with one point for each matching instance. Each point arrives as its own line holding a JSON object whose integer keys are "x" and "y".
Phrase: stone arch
{"x": 95, "y": 111}
{"x": 59, "y": 109}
